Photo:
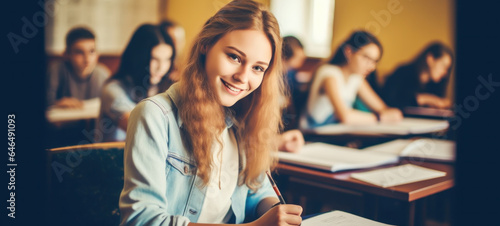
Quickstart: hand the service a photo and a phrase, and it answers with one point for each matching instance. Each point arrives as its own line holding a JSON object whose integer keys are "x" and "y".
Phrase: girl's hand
{"x": 391, "y": 115}
{"x": 69, "y": 102}
{"x": 280, "y": 215}
{"x": 291, "y": 141}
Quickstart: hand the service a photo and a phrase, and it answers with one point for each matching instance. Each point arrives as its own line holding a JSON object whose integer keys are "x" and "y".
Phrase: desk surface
{"x": 407, "y": 192}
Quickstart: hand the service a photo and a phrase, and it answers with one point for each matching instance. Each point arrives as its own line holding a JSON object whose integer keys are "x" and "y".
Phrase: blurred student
{"x": 423, "y": 81}
{"x": 196, "y": 155}
{"x": 292, "y": 139}
{"x": 143, "y": 72}
{"x": 78, "y": 77}
{"x": 178, "y": 35}
{"x": 337, "y": 82}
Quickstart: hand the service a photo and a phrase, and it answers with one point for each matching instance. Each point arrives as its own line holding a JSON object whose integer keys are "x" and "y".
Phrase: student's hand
{"x": 69, "y": 102}
{"x": 291, "y": 141}
{"x": 280, "y": 215}
{"x": 391, "y": 115}
{"x": 433, "y": 101}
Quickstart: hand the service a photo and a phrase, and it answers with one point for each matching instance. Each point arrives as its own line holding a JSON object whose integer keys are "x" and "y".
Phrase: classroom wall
{"x": 403, "y": 26}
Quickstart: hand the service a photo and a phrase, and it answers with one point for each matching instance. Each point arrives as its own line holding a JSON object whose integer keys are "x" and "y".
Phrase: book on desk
{"x": 405, "y": 127}
{"x": 335, "y": 158}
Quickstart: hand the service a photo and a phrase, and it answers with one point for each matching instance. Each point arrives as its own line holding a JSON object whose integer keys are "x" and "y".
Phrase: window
{"x": 310, "y": 21}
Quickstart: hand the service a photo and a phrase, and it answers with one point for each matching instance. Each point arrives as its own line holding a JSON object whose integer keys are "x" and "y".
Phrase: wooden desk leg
{"x": 370, "y": 206}
{"x": 411, "y": 213}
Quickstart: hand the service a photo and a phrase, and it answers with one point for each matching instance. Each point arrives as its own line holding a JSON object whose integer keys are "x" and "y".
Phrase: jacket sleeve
{"x": 143, "y": 199}
{"x": 254, "y": 198}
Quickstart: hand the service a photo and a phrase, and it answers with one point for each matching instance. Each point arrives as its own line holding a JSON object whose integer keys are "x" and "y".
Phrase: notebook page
{"x": 340, "y": 218}
{"x": 398, "y": 175}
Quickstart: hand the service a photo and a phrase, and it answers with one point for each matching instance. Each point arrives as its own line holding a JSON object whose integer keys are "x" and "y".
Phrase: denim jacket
{"x": 161, "y": 186}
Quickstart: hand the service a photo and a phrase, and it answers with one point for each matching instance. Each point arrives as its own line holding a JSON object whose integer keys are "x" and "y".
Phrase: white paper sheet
{"x": 340, "y": 218}
{"x": 398, "y": 175}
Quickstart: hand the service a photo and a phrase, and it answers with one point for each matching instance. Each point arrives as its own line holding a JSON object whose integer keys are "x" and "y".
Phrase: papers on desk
{"x": 340, "y": 218}
{"x": 398, "y": 175}
{"x": 405, "y": 127}
{"x": 90, "y": 110}
{"x": 421, "y": 149}
{"x": 336, "y": 158}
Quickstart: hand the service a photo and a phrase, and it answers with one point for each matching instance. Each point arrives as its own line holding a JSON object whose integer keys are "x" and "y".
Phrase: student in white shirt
{"x": 337, "y": 82}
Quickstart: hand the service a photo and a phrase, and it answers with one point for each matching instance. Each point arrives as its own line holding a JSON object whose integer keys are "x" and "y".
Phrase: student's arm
{"x": 374, "y": 102}
{"x": 259, "y": 205}
{"x": 343, "y": 113}
{"x": 116, "y": 104}
{"x": 431, "y": 100}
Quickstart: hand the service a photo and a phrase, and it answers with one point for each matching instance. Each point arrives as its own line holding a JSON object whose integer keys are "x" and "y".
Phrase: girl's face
{"x": 235, "y": 65}
{"x": 438, "y": 68}
{"x": 364, "y": 61}
{"x": 160, "y": 63}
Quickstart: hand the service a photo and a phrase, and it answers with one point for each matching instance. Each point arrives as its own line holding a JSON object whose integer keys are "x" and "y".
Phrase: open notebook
{"x": 339, "y": 218}
{"x": 89, "y": 110}
{"x": 336, "y": 158}
{"x": 420, "y": 149}
{"x": 405, "y": 127}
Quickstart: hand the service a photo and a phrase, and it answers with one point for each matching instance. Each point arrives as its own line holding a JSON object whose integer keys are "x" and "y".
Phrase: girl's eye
{"x": 259, "y": 68}
{"x": 234, "y": 57}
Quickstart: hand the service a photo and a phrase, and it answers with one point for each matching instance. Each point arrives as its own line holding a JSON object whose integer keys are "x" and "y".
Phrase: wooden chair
{"x": 84, "y": 184}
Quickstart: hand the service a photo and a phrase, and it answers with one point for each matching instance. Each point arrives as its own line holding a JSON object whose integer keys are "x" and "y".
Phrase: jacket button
{"x": 186, "y": 169}
{"x": 193, "y": 211}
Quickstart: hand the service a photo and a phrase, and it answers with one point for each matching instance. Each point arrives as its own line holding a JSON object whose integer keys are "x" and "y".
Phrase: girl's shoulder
{"x": 329, "y": 70}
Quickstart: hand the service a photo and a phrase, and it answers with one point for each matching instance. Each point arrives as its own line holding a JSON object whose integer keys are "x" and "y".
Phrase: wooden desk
{"x": 341, "y": 181}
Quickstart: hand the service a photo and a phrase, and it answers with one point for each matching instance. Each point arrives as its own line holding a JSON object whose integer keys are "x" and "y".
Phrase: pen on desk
{"x": 278, "y": 193}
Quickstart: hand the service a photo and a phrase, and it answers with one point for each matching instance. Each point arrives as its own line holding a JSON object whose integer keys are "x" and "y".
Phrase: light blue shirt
{"x": 160, "y": 182}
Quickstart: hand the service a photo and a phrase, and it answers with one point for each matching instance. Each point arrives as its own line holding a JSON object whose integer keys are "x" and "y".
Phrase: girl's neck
{"x": 345, "y": 71}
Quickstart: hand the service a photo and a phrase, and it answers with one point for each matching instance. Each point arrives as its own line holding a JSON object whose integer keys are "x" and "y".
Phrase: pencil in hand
{"x": 273, "y": 184}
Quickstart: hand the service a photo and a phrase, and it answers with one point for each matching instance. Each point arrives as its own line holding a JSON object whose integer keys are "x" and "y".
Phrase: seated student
{"x": 291, "y": 139}
{"x": 421, "y": 82}
{"x": 178, "y": 35}
{"x": 143, "y": 72}
{"x": 79, "y": 77}
{"x": 197, "y": 154}
{"x": 336, "y": 83}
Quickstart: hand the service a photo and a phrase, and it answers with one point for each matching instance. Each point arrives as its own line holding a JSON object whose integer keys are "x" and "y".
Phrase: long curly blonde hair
{"x": 257, "y": 116}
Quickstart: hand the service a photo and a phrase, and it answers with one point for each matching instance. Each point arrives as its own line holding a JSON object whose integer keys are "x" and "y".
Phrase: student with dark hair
{"x": 196, "y": 155}
{"x": 423, "y": 81}
{"x": 79, "y": 77}
{"x": 176, "y": 31}
{"x": 143, "y": 72}
{"x": 337, "y": 82}
{"x": 292, "y": 139}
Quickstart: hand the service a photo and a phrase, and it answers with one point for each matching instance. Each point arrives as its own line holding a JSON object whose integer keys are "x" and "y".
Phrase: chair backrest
{"x": 84, "y": 184}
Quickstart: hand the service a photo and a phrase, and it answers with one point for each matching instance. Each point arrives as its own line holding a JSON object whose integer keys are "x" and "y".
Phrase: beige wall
{"x": 412, "y": 25}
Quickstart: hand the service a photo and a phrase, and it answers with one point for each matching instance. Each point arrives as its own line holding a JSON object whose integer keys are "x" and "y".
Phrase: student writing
{"x": 337, "y": 82}
{"x": 422, "y": 82}
{"x": 197, "y": 153}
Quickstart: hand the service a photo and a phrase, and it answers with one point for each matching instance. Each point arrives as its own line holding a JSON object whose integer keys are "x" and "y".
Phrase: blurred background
{"x": 404, "y": 27}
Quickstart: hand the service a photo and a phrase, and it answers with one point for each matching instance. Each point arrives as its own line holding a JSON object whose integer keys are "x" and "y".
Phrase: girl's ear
{"x": 347, "y": 51}
{"x": 429, "y": 59}
{"x": 204, "y": 49}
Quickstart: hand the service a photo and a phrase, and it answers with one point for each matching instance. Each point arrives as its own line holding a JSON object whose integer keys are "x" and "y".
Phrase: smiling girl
{"x": 197, "y": 154}
{"x": 337, "y": 82}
